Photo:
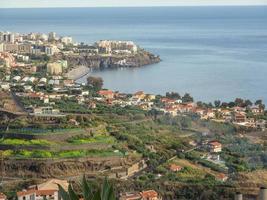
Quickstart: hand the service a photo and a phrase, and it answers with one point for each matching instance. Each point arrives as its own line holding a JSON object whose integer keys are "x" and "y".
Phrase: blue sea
{"x": 210, "y": 52}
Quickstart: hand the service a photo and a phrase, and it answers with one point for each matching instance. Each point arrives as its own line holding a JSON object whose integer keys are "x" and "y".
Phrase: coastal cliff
{"x": 95, "y": 62}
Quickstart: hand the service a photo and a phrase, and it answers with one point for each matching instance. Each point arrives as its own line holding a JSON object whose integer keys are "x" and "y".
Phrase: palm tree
{"x": 106, "y": 192}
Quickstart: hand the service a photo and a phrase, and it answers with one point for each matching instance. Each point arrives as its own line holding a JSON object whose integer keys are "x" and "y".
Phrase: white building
{"x": 67, "y": 40}
{"x": 51, "y": 50}
{"x": 47, "y": 190}
{"x": 52, "y": 36}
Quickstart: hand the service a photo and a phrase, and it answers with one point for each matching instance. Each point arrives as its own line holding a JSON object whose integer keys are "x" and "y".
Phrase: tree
{"x": 231, "y": 104}
{"x": 187, "y": 98}
{"x": 217, "y": 103}
{"x": 173, "y": 95}
{"x": 95, "y": 82}
{"x": 258, "y": 102}
{"x": 239, "y": 102}
{"x": 224, "y": 104}
{"x": 106, "y": 192}
{"x": 248, "y": 103}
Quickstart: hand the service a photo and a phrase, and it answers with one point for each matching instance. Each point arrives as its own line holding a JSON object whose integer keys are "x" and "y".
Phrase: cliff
{"x": 48, "y": 168}
{"x": 139, "y": 59}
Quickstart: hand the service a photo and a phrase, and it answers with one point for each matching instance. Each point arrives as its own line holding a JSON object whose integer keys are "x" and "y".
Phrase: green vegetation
{"x": 21, "y": 142}
{"x": 106, "y": 192}
{"x": 83, "y": 139}
{"x": 26, "y": 154}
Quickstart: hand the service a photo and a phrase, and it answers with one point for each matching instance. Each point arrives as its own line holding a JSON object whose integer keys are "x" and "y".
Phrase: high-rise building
{"x": 56, "y": 68}
{"x": 52, "y": 36}
{"x": 1, "y": 36}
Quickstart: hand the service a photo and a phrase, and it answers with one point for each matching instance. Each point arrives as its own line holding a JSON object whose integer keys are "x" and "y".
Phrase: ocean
{"x": 211, "y": 52}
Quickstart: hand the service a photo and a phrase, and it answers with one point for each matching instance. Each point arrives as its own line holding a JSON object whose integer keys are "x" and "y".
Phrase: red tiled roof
{"x": 174, "y": 167}
{"x": 215, "y": 143}
{"x": 105, "y": 92}
{"x": 45, "y": 192}
{"x": 26, "y": 192}
{"x": 167, "y": 100}
{"x": 149, "y": 194}
{"x": 37, "y": 192}
{"x": 221, "y": 176}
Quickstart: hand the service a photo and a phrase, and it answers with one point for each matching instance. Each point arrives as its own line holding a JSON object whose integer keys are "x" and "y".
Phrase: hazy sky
{"x": 116, "y": 3}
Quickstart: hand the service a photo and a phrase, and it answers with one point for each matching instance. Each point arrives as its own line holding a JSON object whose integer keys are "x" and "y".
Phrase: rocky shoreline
{"x": 82, "y": 64}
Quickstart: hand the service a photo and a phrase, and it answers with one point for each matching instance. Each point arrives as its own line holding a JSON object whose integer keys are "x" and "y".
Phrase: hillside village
{"x": 139, "y": 137}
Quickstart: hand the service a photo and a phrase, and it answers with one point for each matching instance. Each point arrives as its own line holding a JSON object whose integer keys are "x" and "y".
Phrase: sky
{"x": 124, "y": 3}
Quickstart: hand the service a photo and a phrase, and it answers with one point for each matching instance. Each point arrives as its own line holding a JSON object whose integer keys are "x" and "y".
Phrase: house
{"x": 28, "y": 88}
{"x": 3, "y": 196}
{"x": 45, "y": 111}
{"x": 150, "y": 97}
{"x": 5, "y": 86}
{"x": 200, "y": 111}
{"x": 239, "y": 109}
{"x": 167, "y": 101}
{"x": 47, "y": 190}
{"x": 240, "y": 117}
{"x": 222, "y": 177}
{"x": 106, "y": 93}
{"x": 210, "y": 114}
{"x": 34, "y": 194}
{"x": 256, "y": 110}
{"x": 215, "y": 147}
{"x": 130, "y": 196}
{"x": 16, "y": 78}
{"x": 43, "y": 81}
{"x": 25, "y": 79}
{"x": 175, "y": 168}
{"x": 150, "y": 195}
{"x": 139, "y": 95}
{"x": 171, "y": 111}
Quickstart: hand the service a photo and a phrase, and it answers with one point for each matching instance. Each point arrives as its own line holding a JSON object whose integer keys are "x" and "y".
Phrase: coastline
{"x": 78, "y": 72}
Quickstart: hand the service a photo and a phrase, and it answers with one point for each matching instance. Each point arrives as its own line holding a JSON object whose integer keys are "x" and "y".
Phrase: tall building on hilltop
{"x": 52, "y": 36}
{"x": 56, "y": 68}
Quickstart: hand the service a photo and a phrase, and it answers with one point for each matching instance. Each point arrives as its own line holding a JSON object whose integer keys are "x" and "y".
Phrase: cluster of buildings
{"x": 144, "y": 195}
{"x": 237, "y": 115}
{"x": 49, "y": 190}
{"x": 116, "y": 47}
{"x": 32, "y": 43}
{"x": 39, "y": 43}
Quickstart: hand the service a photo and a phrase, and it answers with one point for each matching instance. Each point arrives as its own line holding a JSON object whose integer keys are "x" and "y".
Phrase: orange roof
{"x": 221, "y": 176}
{"x": 37, "y": 192}
{"x": 105, "y": 92}
{"x": 45, "y": 192}
{"x": 174, "y": 167}
{"x": 26, "y": 192}
{"x": 167, "y": 100}
{"x": 215, "y": 143}
{"x": 149, "y": 194}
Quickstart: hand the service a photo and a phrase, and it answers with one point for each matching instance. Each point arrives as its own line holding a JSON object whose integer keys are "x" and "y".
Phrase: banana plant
{"x": 105, "y": 192}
